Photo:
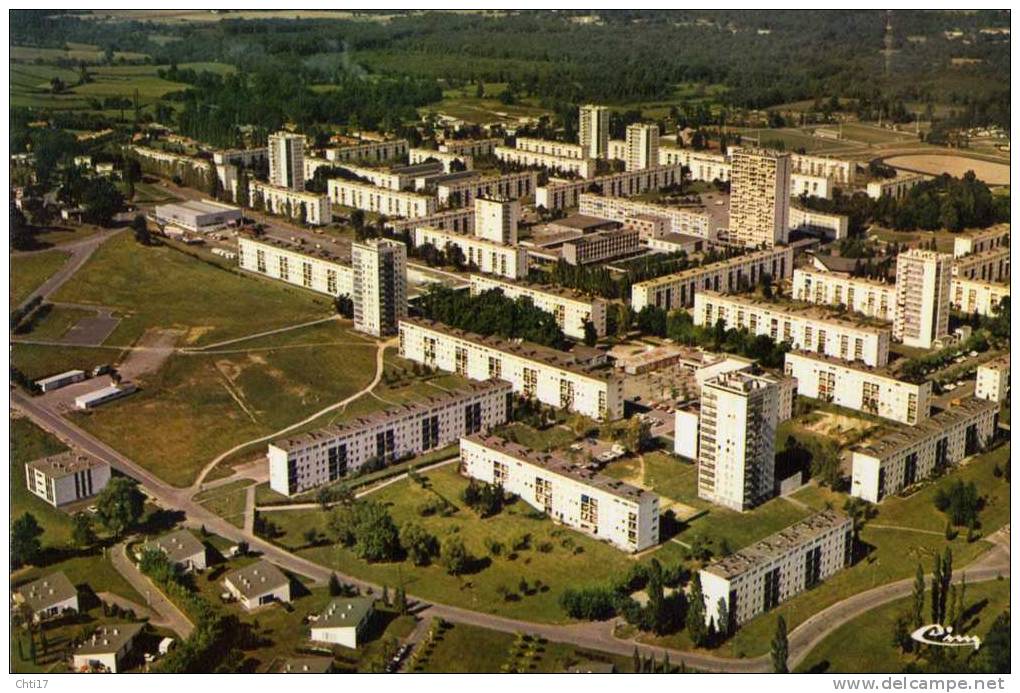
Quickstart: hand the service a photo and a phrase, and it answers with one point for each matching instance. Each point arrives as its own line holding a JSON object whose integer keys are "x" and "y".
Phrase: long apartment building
{"x": 369, "y": 151}
{"x": 981, "y": 240}
{"x": 761, "y": 576}
{"x": 898, "y": 459}
{"x": 451, "y": 161}
{"x": 585, "y": 168}
{"x": 969, "y": 296}
{"x": 802, "y": 326}
{"x": 839, "y": 171}
{"x": 679, "y": 220}
{"x": 854, "y": 386}
{"x": 372, "y": 198}
{"x": 314, "y": 268}
{"x": 488, "y": 256}
{"x": 303, "y": 462}
{"x": 571, "y": 309}
{"x": 475, "y": 148}
{"x": 291, "y": 203}
{"x": 601, "y": 246}
{"x": 922, "y": 297}
{"x": 565, "y": 150}
{"x": 556, "y": 378}
{"x": 832, "y": 226}
{"x": 563, "y": 194}
{"x": 460, "y": 220}
{"x": 992, "y": 381}
{"x": 677, "y": 290}
{"x": 895, "y": 187}
{"x": 599, "y": 505}
{"x": 987, "y": 266}
{"x": 512, "y": 186}
{"x": 703, "y": 166}
{"x": 868, "y": 297}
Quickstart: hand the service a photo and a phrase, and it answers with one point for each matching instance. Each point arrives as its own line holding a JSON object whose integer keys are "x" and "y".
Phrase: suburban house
{"x": 49, "y": 596}
{"x": 107, "y": 647}
{"x": 308, "y": 665}
{"x": 343, "y": 621}
{"x": 257, "y": 584}
{"x": 182, "y": 549}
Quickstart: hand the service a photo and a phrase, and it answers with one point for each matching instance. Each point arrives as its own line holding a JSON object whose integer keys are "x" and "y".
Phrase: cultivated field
{"x": 956, "y": 166}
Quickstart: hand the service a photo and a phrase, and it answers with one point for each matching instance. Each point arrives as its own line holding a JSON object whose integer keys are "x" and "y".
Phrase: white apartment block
{"x": 488, "y": 256}
{"x": 618, "y": 149}
{"x": 981, "y": 241}
{"x": 461, "y": 220}
{"x": 372, "y": 198}
{"x": 289, "y": 203}
{"x": 832, "y": 226}
{"x": 681, "y": 220}
{"x": 497, "y": 219}
{"x": 841, "y": 172}
{"x": 642, "y": 146}
{"x": 737, "y": 439}
{"x": 241, "y": 157}
{"x": 303, "y": 462}
{"x": 869, "y": 390}
{"x": 703, "y": 165}
{"x": 593, "y": 131}
{"x": 868, "y": 297}
{"x": 601, "y": 246}
{"x": 922, "y": 297}
{"x": 605, "y": 508}
{"x": 570, "y": 308}
{"x": 513, "y": 186}
{"x": 894, "y": 187}
{"x": 759, "y": 577}
{"x": 903, "y": 457}
{"x": 314, "y": 163}
{"x": 450, "y": 160}
{"x": 316, "y": 269}
{"x": 993, "y": 380}
{"x": 563, "y": 150}
{"x": 677, "y": 290}
{"x": 987, "y": 266}
{"x": 66, "y": 477}
{"x": 803, "y": 327}
{"x": 563, "y": 165}
{"x": 983, "y": 298}
{"x": 287, "y": 160}
{"x": 563, "y": 194}
{"x": 369, "y": 151}
{"x": 391, "y": 179}
{"x": 759, "y": 197}
{"x": 475, "y": 148}
{"x": 556, "y": 378}
{"x": 380, "y": 285}
{"x": 811, "y": 186}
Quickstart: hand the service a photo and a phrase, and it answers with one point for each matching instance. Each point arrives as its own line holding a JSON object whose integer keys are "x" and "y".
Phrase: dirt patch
{"x": 955, "y": 165}
{"x": 150, "y": 353}
{"x": 196, "y": 333}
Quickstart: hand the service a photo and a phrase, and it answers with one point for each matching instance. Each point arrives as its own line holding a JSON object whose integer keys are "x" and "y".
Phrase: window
{"x": 495, "y": 367}
{"x": 331, "y": 281}
{"x": 500, "y": 473}
{"x": 260, "y": 260}
{"x": 566, "y": 394}
{"x": 284, "y": 269}
{"x": 306, "y": 274}
{"x": 530, "y": 382}
{"x": 461, "y": 360}
{"x": 589, "y": 511}
{"x": 869, "y": 397}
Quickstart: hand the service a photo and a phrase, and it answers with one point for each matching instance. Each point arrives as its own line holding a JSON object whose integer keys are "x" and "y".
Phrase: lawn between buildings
{"x": 28, "y": 272}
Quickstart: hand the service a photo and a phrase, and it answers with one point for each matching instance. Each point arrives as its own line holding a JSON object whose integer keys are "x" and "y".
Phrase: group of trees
{"x": 960, "y": 501}
{"x": 485, "y": 499}
{"x": 944, "y": 202}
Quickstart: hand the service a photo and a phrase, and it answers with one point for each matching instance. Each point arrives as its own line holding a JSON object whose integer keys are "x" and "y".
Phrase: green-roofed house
{"x": 308, "y": 665}
{"x": 181, "y": 549}
{"x": 343, "y": 621}
{"x": 48, "y": 596}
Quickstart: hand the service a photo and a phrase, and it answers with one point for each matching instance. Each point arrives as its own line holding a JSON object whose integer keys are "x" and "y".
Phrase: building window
{"x": 530, "y": 382}
{"x": 260, "y": 260}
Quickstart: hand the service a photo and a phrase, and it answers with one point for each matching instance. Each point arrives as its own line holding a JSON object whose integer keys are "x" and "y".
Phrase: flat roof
{"x": 998, "y": 363}
{"x": 903, "y": 436}
{"x": 559, "y": 465}
{"x": 65, "y": 463}
{"x": 199, "y": 207}
{"x": 336, "y": 252}
{"x": 307, "y": 665}
{"x": 811, "y": 311}
{"x": 582, "y": 221}
{"x": 46, "y": 591}
{"x": 345, "y": 612}
{"x": 550, "y": 289}
{"x": 109, "y": 638}
{"x": 257, "y": 578}
{"x": 882, "y": 371}
{"x": 682, "y": 275}
{"x": 597, "y": 236}
{"x": 778, "y": 544}
{"x": 428, "y": 403}
{"x": 59, "y": 376}
{"x": 178, "y": 545}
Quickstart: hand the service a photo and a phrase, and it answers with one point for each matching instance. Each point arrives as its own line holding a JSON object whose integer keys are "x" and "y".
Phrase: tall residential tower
{"x": 496, "y": 219}
{"x": 759, "y": 197}
{"x": 642, "y": 146}
{"x": 287, "y": 160}
{"x": 923, "y": 280}
{"x": 594, "y": 131}
{"x": 380, "y": 285}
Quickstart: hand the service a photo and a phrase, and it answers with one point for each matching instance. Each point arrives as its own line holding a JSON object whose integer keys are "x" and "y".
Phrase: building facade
{"x": 315, "y": 269}
{"x": 703, "y": 165}
{"x": 969, "y": 296}
{"x": 475, "y": 148}
{"x": 601, "y": 246}
{"x": 981, "y": 241}
{"x": 380, "y": 285}
{"x": 759, "y": 197}
{"x": 389, "y": 150}
{"x": 66, "y": 477}
{"x": 292, "y": 204}
{"x": 563, "y": 165}
{"x": 570, "y": 308}
{"x": 451, "y": 161}
{"x": 832, "y": 227}
{"x": 488, "y": 256}
{"x": 496, "y": 219}
{"x": 894, "y": 187}
{"x": 563, "y": 194}
{"x": 642, "y": 146}
{"x": 593, "y": 131}
{"x": 865, "y": 296}
{"x": 992, "y": 382}
{"x": 459, "y": 220}
{"x": 986, "y": 266}
{"x": 512, "y": 186}
{"x": 372, "y": 198}
{"x": 679, "y": 220}
{"x": 287, "y": 160}
{"x": 922, "y": 297}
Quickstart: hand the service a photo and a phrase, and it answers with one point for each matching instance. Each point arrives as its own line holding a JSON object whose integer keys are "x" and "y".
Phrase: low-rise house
{"x": 258, "y": 584}
{"x": 48, "y": 597}
{"x": 182, "y": 549}
{"x": 107, "y": 648}
{"x": 308, "y": 665}
{"x": 343, "y": 621}
{"x": 66, "y": 477}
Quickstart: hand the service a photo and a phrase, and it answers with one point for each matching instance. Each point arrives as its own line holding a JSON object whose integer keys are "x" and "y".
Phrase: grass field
{"x": 792, "y": 139}
{"x": 556, "y": 556}
{"x": 162, "y": 286}
{"x": 227, "y": 501}
{"x": 28, "y": 272}
{"x": 864, "y": 645}
{"x": 57, "y": 322}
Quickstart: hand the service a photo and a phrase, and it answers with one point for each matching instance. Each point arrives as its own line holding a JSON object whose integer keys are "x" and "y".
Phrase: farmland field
{"x": 937, "y": 164}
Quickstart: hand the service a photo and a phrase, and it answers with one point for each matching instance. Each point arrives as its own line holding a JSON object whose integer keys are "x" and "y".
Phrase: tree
{"x": 120, "y": 505}
{"x": 947, "y": 581}
{"x": 696, "y": 623}
{"x": 335, "y": 588}
{"x": 480, "y": 90}
{"x": 780, "y": 648}
{"x": 994, "y": 655}
{"x": 141, "y": 230}
{"x": 420, "y": 546}
{"x": 101, "y": 201}
{"x": 21, "y": 233}
{"x": 591, "y": 336}
{"x": 901, "y": 633}
{"x": 400, "y": 599}
{"x": 82, "y": 533}
{"x": 25, "y": 544}
{"x": 375, "y": 536}
{"x": 723, "y": 609}
{"x": 917, "y": 610}
{"x": 455, "y": 557}
{"x": 936, "y": 589}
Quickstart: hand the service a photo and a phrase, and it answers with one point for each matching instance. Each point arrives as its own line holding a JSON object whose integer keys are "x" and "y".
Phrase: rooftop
{"x": 59, "y": 376}
{"x": 257, "y": 578}
{"x": 45, "y": 592}
{"x": 563, "y": 467}
{"x": 692, "y": 272}
{"x": 800, "y": 309}
{"x": 200, "y": 207}
{"x": 178, "y": 545}
{"x": 882, "y": 371}
{"x": 65, "y": 463}
{"x": 902, "y": 437}
{"x": 110, "y": 638}
{"x": 345, "y": 612}
{"x": 330, "y": 252}
{"x": 550, "y": 289}
{"x": 778, "y": 544}
{"x": 582, "y": 222}
{"x": 308, "y": 665}
{"x": 998, "y": 363}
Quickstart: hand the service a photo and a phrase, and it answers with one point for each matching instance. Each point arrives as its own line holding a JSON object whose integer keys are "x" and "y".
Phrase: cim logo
{"x": 942, "y": 636}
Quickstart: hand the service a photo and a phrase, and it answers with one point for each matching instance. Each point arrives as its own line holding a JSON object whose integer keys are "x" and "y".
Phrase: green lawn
{"x": 28, "y": 272}
{"x": 227, "y": 501}
{"x": 163, "y": 286}
{"x": 92, "y": 569}
{"x": 29, "y": 442}
{"x": 57, "y": 322}
{"x": 571, "y": 558}
{"x": 551, "y": 438}
{"x": 863, "y": 645}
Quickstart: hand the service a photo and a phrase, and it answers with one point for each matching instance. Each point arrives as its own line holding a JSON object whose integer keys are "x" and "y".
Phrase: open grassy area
{"x": 92, "y": 569}
{"x": 39, "y": 360}
{"x": 57, "y": 321}
{"x": 557, "y": 556}
{"x": 28, "y": 272}
{"x": 792, "y": 139}
{"x": 865, "y": 644}
{"x": 29, "y": 442}
{"x": 227, "y": 501}
{"x": 162, "y": 286}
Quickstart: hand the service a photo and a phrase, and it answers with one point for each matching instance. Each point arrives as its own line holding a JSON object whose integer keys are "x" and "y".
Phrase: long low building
{"x": 970, "y": 296}
{"x": 803, "y": 327}
{"x": 316, "y": 269}
{"x": 759, "y": 577}
{"x": 571, "y": 309}
{"x": 585, "y": 168}
{"x": 599, "y": 505}
{"x": 869, "y": 390}
{"x": 981, "y": 240}
{"x": 986, "y": 266}
{"x": 565, "y": 150}
{"x": 198, "y": 216}
{"x": 66, "y": 477}
{"x": 312, "y": 207}
{"x": 601, "y": 246}
{"x": 833, "y": 227}
{"x": 451, "y": 161}
{"x": 475, "y": 148}
{"x": 895, "y": 187}
{"x": 553, "y": 377}
{"x": 868, "y": 297}
{"x": 562, "y": 194}
{"x": 369, "y": 151}
{"x": 811, "y": 186}
{"x": 678, "y": 220}
{"x": 703, "y": 165}
{"x": 303, "y": 462}
{"x": 460, "y": 220}
{"x": 511, "y": 186}
{"x": 909, "y": 454}
{"x": 372, "y": 198}
{"x": 677, "y": 290}
{"x": 488, "y": 256}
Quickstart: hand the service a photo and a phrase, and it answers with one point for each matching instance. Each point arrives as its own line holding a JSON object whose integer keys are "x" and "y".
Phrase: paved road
{"x": 173, "y": 617}
{"x": 80, "y": 252}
